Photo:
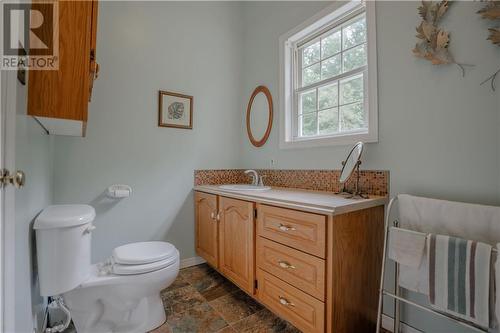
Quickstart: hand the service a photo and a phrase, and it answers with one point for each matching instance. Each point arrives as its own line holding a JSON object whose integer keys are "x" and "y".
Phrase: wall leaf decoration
{"x": 492, "y": 12}
{"x": 433, "y": 41}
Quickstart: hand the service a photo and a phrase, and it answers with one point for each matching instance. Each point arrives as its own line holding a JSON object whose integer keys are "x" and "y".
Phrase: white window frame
{"x": 287, "y": 103}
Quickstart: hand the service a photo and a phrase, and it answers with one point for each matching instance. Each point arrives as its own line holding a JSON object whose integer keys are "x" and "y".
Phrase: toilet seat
{"x": 143, "y": 253}
{"x": 120, "y": 269}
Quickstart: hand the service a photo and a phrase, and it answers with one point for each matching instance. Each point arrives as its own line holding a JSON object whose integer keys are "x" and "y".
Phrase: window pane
{"x": 351, "y": 89}
{"x": 308, "y": 102}
{"x": 330, "y": 45}
{"x": 328, "y": 121}
{"x": 330, "y": 67}
{"x": 310, "y": 54}
{"x": 352, "y": 117}
{"x": 309, "y": 124}
{"x": 354, "y": 33}
{"x": 328, "y": 96}
{"x": 354, "y": 58}
{"x": 311, "y": 75}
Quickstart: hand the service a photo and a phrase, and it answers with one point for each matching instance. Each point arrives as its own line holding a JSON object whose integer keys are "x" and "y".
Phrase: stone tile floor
{"x": 201, "y": 300}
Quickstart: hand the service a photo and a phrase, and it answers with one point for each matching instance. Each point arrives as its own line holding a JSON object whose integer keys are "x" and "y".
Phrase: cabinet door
{"x": 64, "y": 93}
{"x": 206, "y": 227}
{"x": 237, "y": 242}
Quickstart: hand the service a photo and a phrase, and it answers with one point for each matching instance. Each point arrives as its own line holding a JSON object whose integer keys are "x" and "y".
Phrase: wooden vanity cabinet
{"x": 207, "y": 227}
{"x": 225, "y": 237}
{"x": 237, "y": 242}
{"x": 320, "y": 272}
{"x": 59, "y": 99}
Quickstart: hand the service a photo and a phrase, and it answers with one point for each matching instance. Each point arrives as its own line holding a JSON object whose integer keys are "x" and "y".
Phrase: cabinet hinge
{"x": 256, "y": 284}
{"x": 255, "y": 212}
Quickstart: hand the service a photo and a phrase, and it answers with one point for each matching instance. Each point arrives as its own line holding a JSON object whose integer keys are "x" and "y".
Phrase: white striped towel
{"x": 459, "y": 277}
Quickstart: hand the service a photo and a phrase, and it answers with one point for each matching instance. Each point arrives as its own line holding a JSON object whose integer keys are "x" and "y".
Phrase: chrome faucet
{"x": 254, "y": 175}
{"x": 256, "y": 179}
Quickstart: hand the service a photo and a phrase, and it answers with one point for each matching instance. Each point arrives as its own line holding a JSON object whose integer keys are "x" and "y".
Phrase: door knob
{"x": 18, "y": 179}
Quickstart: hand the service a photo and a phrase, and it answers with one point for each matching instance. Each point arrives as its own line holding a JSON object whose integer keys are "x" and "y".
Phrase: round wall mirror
{"x": 351, "y": 162}
{"x": 259, "y": 116}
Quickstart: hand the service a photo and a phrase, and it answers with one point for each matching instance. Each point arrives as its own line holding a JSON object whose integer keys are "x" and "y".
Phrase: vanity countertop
{"x": 312, "y": 201}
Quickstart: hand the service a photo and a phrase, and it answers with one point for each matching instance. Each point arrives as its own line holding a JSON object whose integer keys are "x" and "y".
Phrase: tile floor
{"x": 203, "y": 301}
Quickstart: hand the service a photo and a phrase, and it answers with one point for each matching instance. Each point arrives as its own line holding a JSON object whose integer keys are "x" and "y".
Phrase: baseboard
{"x": 388, "y": 324}
{"x": 188, "y": 262}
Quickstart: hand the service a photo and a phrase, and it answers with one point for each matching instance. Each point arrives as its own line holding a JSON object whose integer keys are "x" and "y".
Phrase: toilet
{"x": 121, "y": 294}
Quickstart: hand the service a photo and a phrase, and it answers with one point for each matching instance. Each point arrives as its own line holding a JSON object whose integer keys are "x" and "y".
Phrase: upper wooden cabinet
{"x": 59, "y": 99}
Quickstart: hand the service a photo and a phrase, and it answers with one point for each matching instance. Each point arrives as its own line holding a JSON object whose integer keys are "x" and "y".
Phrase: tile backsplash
{"x": 372, "y": 182}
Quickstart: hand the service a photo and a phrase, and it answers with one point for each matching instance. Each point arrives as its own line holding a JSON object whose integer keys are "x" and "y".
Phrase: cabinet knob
{"x": 285, "y": 302}
{"x": 218, "y": 217}
{"x": 284, "y": 264}
{"x": 212, "y": 215}
{"x": 283, "y": 227}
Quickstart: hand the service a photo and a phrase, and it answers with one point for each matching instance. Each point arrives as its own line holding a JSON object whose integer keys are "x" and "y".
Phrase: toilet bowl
{"x": 120, "y": 295}
{"x": 108, "y": 302}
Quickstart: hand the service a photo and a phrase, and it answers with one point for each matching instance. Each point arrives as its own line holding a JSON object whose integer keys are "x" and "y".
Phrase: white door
{"x": 7, "y": 197}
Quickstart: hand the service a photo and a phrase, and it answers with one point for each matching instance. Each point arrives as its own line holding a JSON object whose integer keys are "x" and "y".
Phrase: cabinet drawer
{"x": 300, "y": 230}
{"x": 300, "y": 309}
{"x": 299, "y": 269}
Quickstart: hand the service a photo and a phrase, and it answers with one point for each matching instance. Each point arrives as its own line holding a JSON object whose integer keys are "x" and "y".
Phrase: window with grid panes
{"x": 329, "y": 80}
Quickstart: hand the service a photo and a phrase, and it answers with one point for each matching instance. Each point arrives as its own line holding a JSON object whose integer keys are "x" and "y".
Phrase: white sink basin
{"x": 244, "y": 187}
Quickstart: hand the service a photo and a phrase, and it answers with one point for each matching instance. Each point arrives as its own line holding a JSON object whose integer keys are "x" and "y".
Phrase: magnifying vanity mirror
{"x": 349, "y": 166}
{"x": 259, "y": 116}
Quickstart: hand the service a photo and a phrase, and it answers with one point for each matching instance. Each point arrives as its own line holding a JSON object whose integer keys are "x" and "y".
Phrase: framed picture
{"x": 176, "y": 110}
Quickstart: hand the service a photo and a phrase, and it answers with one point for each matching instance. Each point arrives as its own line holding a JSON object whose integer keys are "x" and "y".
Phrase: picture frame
{"x": 175, "y": 110}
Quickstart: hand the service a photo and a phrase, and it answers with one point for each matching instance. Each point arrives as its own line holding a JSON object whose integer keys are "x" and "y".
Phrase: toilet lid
{"x": 143, "y": 253}
{"x": 120, "y": 269}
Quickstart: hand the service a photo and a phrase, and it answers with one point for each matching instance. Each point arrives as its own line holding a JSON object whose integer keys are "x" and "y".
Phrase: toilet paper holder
{"x": 118, "y": 191}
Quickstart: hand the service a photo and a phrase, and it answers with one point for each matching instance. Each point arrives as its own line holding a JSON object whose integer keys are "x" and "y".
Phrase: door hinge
{"x": 256, "y": 284}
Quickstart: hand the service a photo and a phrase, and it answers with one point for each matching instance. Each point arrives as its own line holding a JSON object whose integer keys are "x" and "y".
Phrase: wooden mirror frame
{"x": 269, "y": 97}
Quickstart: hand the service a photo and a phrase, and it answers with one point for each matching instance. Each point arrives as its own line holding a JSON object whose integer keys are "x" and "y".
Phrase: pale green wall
{"x": 33, "y": 155}
{"x": 191, "y": 48}
{"x": 438, "y": 132}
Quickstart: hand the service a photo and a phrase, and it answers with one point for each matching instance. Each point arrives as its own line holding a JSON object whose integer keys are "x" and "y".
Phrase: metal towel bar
{"x": 397, "y": 295}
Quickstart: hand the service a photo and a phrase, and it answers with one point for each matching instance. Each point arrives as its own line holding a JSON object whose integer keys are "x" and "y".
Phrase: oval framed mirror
{"x": 259, "y": 116}
{"x": 351, "y": 162}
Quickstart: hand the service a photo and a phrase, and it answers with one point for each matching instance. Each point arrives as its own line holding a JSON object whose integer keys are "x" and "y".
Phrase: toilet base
{"x": 143, "y": 316}
{"x": 120, "y": 304}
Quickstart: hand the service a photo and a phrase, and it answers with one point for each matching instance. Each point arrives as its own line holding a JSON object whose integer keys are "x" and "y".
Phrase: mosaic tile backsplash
{"x": 371, "y": 181}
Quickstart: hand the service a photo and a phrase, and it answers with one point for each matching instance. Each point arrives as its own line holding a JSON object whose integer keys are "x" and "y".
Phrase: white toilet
{"x": 120, "y": 295}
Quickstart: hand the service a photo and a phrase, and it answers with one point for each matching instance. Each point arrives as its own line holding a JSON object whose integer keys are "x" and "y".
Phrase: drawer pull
{"x": 284, "y": 264}
{"x": 286, "y": 227}
{"x": 285, "y": 302}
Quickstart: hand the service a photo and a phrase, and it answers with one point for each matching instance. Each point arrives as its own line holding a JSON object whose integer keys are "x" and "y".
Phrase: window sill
{"x": 341, "y": 140}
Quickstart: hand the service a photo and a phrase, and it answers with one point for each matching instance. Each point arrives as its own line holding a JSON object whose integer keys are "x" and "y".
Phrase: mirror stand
{"x": 356, "y": 193}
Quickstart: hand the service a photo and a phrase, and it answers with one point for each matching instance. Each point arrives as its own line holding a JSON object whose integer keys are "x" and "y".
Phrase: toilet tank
{"x": 63, "y": 235}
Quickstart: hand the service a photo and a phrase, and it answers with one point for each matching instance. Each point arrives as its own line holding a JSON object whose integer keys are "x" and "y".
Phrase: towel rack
{"x": 396, "y": 296}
